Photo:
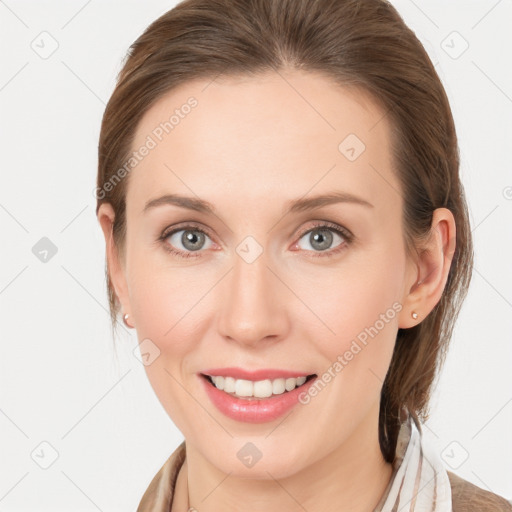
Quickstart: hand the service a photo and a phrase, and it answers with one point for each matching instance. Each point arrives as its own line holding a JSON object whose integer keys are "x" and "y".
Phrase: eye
{"x": 185, "y": 241}
{"x": 188, "y": 241}
{"x": 321, "y": 238}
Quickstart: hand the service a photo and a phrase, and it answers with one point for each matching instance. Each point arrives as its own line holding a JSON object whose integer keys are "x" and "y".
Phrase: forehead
{"x": 246, "y": 137}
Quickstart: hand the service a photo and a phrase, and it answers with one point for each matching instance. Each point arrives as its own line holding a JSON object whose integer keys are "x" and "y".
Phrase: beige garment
{"x": 466, "y": 497}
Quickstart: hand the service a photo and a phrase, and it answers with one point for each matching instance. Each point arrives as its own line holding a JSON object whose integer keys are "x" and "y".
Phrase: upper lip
{"x": 254, "y": 375}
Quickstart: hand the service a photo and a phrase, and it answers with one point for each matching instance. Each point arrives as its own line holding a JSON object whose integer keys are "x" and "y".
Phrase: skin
{"x": 251, "y": 145}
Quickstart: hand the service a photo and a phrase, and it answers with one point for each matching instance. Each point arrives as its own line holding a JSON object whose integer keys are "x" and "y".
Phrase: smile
{"x": 255, "y": 401}
{"x": 244, "y": 388}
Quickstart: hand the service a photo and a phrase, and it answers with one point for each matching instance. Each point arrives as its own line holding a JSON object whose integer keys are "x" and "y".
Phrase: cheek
{"x": 355, "y": 295}
{"x": 167, "y": 310}
{"x": 360, "y": 303}
{"x": 166, "y": 305}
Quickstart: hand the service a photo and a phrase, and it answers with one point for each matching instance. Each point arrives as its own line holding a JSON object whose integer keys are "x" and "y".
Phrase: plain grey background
{"x": 81, "y": 431}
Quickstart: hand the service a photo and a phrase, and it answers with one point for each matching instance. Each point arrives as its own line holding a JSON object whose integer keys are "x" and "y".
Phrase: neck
{"x": 353, "y": 477}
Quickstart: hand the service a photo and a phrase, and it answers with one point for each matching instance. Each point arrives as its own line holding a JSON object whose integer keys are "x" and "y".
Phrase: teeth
{"x": 258, "y": 389}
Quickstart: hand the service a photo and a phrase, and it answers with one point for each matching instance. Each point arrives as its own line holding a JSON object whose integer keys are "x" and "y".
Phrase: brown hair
{"x": 359, "y": 43}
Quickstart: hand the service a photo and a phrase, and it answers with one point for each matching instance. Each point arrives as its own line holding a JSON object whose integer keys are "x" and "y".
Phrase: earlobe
{"x": 433, "y": 266}
{"x": 115, "y": 268}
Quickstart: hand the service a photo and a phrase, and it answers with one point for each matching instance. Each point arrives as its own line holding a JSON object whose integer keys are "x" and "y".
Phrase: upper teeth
{"x": 258, "y": 389}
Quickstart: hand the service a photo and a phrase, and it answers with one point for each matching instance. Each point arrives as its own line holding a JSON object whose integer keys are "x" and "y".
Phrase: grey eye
{"x": 320, "y": 239}
{"x": 190, "y": 239}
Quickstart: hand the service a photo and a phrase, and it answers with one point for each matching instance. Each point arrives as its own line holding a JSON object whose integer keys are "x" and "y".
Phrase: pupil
{"x": 190, "y": 240}
{"x": 322, "y": 241}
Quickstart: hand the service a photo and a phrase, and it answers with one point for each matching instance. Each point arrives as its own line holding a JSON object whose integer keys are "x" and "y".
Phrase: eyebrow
{"x": 293, "y": 206}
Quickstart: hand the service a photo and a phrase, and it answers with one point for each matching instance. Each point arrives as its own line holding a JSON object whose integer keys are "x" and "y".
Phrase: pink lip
{"x": 255, "y": 410}
{"x": 239, "y": 373}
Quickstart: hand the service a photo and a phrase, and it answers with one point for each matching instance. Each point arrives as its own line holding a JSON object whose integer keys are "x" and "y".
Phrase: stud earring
{"x": 414, "y": 315}
{"x": 125, "y": 320}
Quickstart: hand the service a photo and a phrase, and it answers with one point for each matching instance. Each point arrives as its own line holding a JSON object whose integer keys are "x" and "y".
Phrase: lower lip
{"x": 259, "y": 410}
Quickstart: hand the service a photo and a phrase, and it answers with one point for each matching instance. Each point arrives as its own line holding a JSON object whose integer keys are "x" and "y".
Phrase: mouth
{"x": 256, "y": 390}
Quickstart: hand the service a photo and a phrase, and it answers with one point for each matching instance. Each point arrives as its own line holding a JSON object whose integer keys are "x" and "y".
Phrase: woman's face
{"x": 264, "y": 287}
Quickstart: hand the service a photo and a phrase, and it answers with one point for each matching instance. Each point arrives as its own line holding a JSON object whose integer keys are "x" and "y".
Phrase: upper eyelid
{"x": 325, "y": 225}
{"x": 170, "y": 230}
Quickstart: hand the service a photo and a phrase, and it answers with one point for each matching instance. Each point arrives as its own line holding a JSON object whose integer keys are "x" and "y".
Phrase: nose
{"x": 252, "y": 305}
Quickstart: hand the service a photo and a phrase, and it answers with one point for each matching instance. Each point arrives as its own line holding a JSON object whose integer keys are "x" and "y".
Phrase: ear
{"x": 427, "y": 281}
{"x": 115, "y": 262}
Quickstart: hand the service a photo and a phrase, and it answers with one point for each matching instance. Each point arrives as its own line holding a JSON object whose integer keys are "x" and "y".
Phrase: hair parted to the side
{"x": 362, "y": 43}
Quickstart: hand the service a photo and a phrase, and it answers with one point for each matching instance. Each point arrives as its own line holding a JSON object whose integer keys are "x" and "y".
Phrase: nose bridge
{"x": 251, "y": 309}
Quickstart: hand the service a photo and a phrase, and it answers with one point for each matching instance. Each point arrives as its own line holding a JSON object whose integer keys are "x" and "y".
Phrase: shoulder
{"x": 467, "y": 496}
{"x": 158, "y": 496}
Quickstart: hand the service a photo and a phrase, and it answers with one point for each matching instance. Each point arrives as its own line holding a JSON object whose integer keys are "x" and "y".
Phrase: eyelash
{"x": 344, "y": 233}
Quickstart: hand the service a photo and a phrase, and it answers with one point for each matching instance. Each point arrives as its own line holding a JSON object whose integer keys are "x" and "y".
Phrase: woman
{"x": 287, "y": 231}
